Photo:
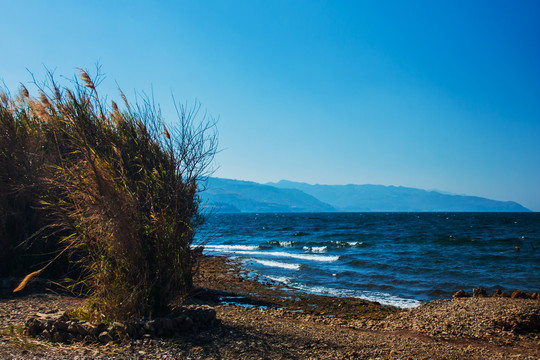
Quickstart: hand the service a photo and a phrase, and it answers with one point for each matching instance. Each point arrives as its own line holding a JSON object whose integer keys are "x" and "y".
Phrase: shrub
{"x": 122, "y": 190}
{"x": 22, "y": 161}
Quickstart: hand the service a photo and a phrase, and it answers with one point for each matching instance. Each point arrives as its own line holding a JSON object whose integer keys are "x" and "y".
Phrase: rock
{"x": 104, "y": 337}
{"x": 525, "y": 324}
{"x": 167, "y": 328}
{"x": 58, "y": 327}
{"x": 179, "y": 321}
{"x": 86, "y": 329}
{"x": 460, "y": 294}
{"x": 518, "y": 294}
{"x": 149, "y": 327}
{"x": 100, "y": 327}
{"x": 498, "y": 293}
{"x": 182, "y": 323}
{"x": 479, "y": 292}
{"x": 212, "y": 315}
{"x": 188, "y": 323}
{"x": 140, "y": 328}
{"x": 61, "y": 324}
{"x": 132, "y": 331}
{"x": 46, "y": 334}
{"x": 117, "y": 329}
{"x": 59, "y": 336}
{"x": 72, "y": 328}
{"x": 91, "y": 329}
{"x": 34, "y": 327}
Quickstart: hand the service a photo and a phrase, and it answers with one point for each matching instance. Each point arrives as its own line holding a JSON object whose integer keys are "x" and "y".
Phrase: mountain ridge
{"x": 227, "y": 195}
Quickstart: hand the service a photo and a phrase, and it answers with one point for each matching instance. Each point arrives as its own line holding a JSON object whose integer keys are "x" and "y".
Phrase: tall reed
{"x": 22, "y": 167}
{"x": 121, "y": 188}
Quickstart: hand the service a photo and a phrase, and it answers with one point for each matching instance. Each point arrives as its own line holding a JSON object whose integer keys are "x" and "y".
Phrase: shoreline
{"x": 227, "y": 274}
{"x": 263, "y": 321}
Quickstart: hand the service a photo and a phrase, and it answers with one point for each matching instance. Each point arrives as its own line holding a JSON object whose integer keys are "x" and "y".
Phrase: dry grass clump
{"x": 118, "y": 186}
{"x": 22, "y": 160}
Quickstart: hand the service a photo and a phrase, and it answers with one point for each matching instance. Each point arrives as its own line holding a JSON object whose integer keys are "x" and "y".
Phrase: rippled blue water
{"x": 394, "y": 258}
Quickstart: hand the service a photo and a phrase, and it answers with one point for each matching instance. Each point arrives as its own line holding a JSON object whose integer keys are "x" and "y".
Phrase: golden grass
{"x": 116, "y": 189}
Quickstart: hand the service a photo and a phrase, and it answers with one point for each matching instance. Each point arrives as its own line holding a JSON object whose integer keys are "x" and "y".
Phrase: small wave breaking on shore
{"x": 278, "y": 264}
{"x": 379, "y": 297}
{"x": 277, "y": 254}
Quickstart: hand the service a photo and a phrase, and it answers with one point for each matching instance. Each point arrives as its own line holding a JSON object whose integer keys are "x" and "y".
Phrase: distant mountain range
{"x": 225, "y": 195}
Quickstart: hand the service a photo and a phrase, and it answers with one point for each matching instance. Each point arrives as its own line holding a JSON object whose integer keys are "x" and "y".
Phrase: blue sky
{"x": 426, "y": 94}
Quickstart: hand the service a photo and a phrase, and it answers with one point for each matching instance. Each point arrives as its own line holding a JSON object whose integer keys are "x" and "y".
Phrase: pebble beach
{"x": 267, "y": 321}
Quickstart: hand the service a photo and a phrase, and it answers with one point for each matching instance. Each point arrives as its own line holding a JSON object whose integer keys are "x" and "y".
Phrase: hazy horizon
{"x": 418, "y": 94}
{"x": 442, "y": 191}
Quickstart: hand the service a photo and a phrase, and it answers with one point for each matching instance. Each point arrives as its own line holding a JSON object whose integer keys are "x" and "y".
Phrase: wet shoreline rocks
{"x": 481, "y": 292}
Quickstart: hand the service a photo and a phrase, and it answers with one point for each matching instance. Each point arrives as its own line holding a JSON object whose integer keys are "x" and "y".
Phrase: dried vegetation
{"x": 109, "y": 194}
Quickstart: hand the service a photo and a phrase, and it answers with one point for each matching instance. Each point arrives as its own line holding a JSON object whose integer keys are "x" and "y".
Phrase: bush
{"x": 120, "y": 188}
{"x": 22, "y": 163}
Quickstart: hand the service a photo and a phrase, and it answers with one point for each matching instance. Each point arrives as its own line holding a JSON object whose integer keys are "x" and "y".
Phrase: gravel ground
{"x": 469, "y": 328}
{"x": 492, "y": 319}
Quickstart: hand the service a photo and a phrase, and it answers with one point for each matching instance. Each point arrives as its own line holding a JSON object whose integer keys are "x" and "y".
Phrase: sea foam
{"x": 316, "y": 249}
{"x": 230, "y": 247}
{"x": 282, "y": 254}
{"x": 278, "y": 264}
{"x": 382, "y": 298}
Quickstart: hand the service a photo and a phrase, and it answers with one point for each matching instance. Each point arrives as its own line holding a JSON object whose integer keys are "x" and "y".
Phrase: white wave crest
{"x": 382, "y": 298}
{"x": 295, "y": 256}
{"x": 347, "y": 243}
{"x": 278, "y": 264}
{"x": 283, "y": 254}
{"x": 316, "y": 249}
{"x": 304, "y": 256}
{"x": 286, "y": 243}
{"x": 227, "y": 248}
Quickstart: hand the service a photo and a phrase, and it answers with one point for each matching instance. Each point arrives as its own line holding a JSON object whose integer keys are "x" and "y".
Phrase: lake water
{"x": 400, "y": 259}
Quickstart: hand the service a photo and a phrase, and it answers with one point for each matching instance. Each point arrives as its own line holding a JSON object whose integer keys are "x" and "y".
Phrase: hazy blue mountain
{"x": 224, "y": 195}
{"x": 396, "y": 198}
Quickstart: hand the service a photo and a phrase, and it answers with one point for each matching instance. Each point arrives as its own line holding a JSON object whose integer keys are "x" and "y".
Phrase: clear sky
{"x": 430, "y": 94}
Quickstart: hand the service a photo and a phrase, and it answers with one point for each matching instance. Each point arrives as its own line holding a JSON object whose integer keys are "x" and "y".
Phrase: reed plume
{"x": 116, "y": 190}
{"x": 86, "y": 78}
{"x": 24, "y": 91}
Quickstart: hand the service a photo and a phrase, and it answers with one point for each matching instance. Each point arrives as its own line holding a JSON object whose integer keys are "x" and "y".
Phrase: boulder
{"x": 132, "y": 330}
{"x": 167, "y": 328}
{"x": 518, "y": 294}
{"x": 460, "y": 294}
{"x": 479, "y": 292}
{"x": 34, "y": 327}
{"x": 104, "y": 337}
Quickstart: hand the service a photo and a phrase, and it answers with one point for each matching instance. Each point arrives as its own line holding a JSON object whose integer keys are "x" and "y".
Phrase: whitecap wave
{"x": 278, "y": 264}
{"x": 230, "y": 247}
{"x": 316, "y": 249}
{"x": 345, "y": 244}
{"x": 286, "y": 243}
{"x": 311, "y": 257}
